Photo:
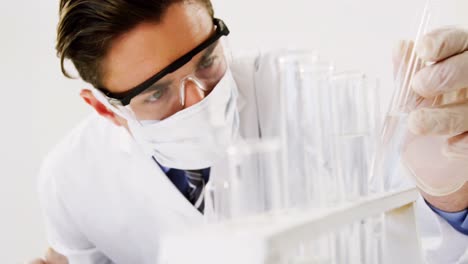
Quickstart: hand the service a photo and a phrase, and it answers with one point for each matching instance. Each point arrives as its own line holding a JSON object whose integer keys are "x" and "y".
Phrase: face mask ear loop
{"x": 193, "y": 79}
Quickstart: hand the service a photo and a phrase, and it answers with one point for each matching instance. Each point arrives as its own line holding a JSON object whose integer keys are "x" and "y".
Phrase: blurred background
{"x": 39, "y": 105}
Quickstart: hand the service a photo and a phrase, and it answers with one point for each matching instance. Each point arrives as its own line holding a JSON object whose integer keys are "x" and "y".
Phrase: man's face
{"x": 150, "y": 47}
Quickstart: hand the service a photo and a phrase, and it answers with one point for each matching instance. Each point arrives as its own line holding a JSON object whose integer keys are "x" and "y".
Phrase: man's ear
{"x": 100, "y": 108}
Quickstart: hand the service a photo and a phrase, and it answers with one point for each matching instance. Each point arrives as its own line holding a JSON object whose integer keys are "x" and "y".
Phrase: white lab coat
{"x": 105, "y": 202}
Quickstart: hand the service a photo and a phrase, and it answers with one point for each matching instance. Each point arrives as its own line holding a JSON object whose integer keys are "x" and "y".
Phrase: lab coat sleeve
{"x": 62, "y": 233}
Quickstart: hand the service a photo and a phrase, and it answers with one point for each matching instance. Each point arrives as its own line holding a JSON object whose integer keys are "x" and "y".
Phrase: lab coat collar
{"x": 125, "y": 141}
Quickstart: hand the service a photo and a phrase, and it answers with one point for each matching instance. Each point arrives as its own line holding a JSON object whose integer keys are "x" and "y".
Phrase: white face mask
{"x": 196, "y": 137}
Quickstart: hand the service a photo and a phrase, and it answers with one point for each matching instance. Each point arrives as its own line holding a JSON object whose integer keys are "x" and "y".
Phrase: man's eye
{"x": 156, "y": 95}
{"x": 208, "y": 62}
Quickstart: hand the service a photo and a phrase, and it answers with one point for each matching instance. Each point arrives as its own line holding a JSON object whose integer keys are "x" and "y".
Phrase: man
{"x": 121, "y": 180}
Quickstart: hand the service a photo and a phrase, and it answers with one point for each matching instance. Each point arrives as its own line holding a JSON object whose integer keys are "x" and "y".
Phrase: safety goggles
{"x": 164, "y": 94}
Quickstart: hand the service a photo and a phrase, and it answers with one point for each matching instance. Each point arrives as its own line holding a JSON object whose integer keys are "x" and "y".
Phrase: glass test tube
{"x": 218, "y": 196}
{"x": 293, "y": 129}
{"x": 320, "y": 160}
{"x": 319, "y": 155}
{"x": 386, "y": 168}
{"x": 372, "y": 246}
{"x": 218, "y": 190}
{"x": 339, "y": 246}
{"x": 353, "y": 102}
{"x": 255, "y": 177}
{"x": 320, "y": 250}
{"x": 352, "y": 128}
{"x": 302, "y": 76}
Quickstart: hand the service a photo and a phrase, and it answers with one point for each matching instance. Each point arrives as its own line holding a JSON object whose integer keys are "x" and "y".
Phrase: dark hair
{"x": 87, "y": 27}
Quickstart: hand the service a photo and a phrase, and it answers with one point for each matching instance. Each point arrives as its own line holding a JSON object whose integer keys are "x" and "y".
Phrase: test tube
{"x": 373, "y": 240}
{"x": 386, "y": 165}
{"x": 351, "y": 111}
{"x": 255, "y": 177}
{"x": 318, "y": 144}
{"x": 319, "y": 152}
{"x": 319, "y": 250}
{"x": 375, "y": 117}
{"x": 293, "y": 99}
{"x": 218, "y": 200}
{"x": 352, "y": 129}
{"x": 339, "y": 246}
{"x": 302, "y": 76}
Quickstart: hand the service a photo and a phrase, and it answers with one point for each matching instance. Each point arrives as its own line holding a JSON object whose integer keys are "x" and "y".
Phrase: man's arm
{"x": 67, "y": 241}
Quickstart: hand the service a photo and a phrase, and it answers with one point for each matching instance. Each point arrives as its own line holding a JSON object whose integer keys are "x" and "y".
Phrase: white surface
{"x": 40, "y": 105}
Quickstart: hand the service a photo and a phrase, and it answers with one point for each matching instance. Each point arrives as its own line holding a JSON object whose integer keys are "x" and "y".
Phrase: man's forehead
{"x": 149, "y": 47}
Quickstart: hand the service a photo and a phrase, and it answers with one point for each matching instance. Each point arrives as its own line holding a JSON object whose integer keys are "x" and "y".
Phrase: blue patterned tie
{"x": 196, "y": 183}
{"x": 191, "y": 183}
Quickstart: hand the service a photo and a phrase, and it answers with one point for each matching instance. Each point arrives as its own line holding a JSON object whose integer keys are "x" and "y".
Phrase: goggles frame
{"x": 123, "y": 99}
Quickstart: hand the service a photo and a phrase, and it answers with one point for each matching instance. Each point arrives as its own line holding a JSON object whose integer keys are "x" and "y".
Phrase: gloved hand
{"x": 447, "y": 81}
{"x": 437, "y": 152}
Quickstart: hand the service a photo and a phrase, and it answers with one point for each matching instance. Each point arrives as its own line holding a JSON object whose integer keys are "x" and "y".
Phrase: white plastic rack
{"x": 261, "y": 239}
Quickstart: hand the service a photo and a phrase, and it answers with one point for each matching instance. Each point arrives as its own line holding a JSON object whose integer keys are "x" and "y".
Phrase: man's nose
{"x": 194, "y": 92}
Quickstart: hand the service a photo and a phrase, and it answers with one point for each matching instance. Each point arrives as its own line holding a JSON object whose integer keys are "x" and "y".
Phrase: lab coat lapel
{"x": 169, "y": 197}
